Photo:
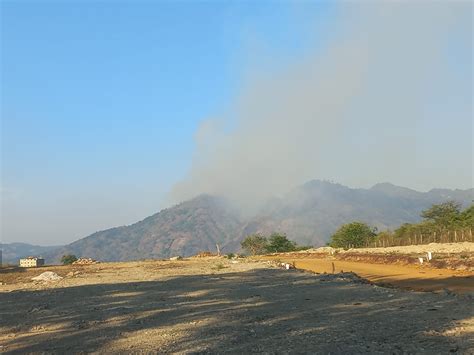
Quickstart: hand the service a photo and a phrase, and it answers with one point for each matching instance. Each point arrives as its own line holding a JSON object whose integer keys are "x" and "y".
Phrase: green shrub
{"x": 255, "y": 244}
{"x": 352, "y": 235}
{"x": 68, "y": 259}
{"x": 279, "y": 243}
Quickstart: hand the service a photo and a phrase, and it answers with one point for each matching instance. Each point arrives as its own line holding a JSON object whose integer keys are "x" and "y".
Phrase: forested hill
{"x": 309, "y": 215}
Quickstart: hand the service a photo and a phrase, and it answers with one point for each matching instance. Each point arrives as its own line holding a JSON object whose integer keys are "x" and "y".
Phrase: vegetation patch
{"x": 257, "y": 244}
{"x": 442, "y": 223}
{"x": 68, "y": 259}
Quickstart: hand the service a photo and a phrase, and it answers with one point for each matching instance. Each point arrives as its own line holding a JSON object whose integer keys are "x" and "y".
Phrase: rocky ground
{"x": 454, "y": 256}
{"x": 214, "y": 305}
{"x": 435, "y": 248}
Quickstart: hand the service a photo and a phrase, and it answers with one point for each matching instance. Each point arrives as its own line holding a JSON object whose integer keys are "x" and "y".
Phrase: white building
{"x": 31, "y": 262}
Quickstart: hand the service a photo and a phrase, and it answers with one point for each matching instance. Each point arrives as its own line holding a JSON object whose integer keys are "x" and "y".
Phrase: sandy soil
{"x": 411, "y": 277}
{"x": 216, "y": 306}
{"x": 435, "y": 248}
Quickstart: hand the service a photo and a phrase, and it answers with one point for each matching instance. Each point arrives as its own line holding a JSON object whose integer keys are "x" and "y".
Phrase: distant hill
{"x": 312, "y": 212}
{"x": 309, "y": 215}
{"x": 13, "y": 252}
{"x": 185, "y": 229}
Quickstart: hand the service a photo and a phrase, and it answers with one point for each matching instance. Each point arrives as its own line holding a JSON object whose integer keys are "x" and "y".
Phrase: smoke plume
{"x": 370, "y": 106}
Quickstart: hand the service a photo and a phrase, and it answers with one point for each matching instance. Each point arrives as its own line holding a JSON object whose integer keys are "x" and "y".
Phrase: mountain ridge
{"x": 308, "y": 214}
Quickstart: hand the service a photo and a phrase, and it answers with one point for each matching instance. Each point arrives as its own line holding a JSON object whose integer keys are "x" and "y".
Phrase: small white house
{"x": 31, "y": 262}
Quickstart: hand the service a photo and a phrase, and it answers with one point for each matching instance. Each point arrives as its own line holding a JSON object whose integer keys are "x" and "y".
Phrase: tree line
{"x": 445, "y": 222}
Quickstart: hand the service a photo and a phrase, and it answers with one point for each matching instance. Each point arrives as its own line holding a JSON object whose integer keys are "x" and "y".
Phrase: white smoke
{"x": 358, "y": 112}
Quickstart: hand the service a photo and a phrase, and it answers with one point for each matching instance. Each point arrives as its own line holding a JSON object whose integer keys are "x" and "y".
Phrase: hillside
{"x": 308, "y": 215}
{"x": 312, "y": 212}
{"x": 12, "y": 252}
{"x": 184, "y": 229}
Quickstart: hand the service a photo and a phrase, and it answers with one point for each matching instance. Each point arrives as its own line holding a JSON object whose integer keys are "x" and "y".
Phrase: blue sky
{"x": 101, "y": 100}
{"x": 111, "y": 111}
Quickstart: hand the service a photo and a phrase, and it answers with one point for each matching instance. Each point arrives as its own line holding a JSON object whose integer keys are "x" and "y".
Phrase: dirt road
{"x": 404, "y": 276}
{"x": 216, "y": 306}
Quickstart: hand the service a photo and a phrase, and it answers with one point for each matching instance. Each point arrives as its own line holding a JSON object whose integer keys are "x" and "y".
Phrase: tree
{"x": 279, "y": 243}
{"x": 255, "y": 244}
{"x": 467, "y": 217}
{"x": 444, "y": 215}
{"x": 68, "y": 259}
{"x": 352, "y": 235}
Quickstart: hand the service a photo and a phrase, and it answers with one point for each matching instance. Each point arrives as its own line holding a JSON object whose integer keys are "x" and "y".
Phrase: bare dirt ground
{"x": 444, "y": 255}
{"x": 436, "y": 248}
{"x": 410, "y": 277}
{"x": 213, "y": 305}
{"x": 451, "y": 266}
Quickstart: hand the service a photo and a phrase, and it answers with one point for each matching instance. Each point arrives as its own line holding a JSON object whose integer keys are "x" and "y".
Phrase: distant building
{"x": 31, "y": 262}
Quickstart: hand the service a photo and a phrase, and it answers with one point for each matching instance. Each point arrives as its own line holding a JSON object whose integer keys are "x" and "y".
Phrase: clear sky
{"x": 101, "y": 100}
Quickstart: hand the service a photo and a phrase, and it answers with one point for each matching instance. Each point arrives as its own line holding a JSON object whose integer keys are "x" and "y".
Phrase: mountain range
{"x": 308, "y": 214}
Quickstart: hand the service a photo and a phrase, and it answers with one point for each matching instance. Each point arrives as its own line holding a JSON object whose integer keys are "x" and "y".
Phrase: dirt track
{"x": 403, "y": 276}
{"x": 215, "y": 306}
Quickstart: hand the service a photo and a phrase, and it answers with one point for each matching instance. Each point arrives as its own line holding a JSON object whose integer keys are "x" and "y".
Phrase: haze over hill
{"x": 308, "y": 214}
{"x": 358, "y": 111}
{"x": 11, "y": 252}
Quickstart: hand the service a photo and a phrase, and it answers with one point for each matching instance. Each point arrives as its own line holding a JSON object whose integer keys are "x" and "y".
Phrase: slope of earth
{"x": 216, "y": 306}
{"x": 455, "y": 256}
{"x": 184, "y": 229}
{"x": 435, "y": 248}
